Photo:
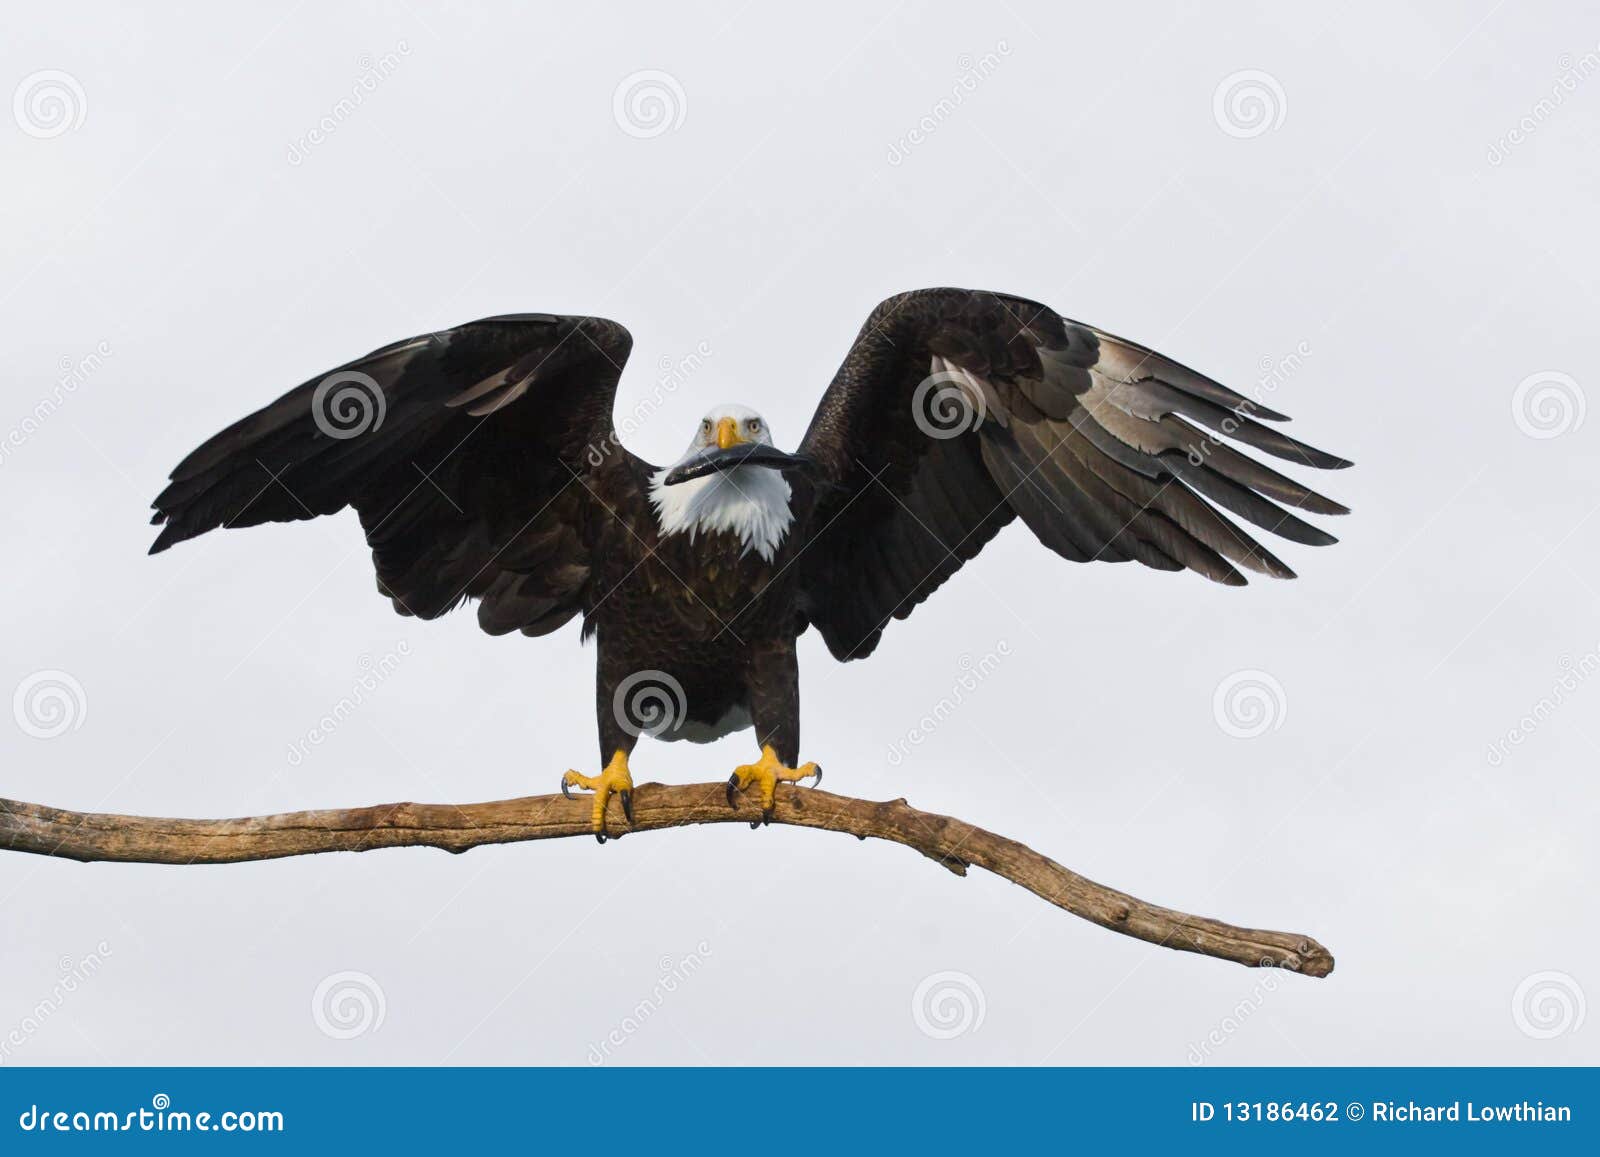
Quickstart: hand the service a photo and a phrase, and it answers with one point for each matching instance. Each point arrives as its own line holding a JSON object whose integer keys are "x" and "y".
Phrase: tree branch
{"x": 89, "y": 836}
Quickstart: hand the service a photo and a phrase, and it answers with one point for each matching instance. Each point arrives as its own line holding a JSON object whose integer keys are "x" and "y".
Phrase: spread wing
{"x": 956, "y": 411}
{"x": 471, "y": 455}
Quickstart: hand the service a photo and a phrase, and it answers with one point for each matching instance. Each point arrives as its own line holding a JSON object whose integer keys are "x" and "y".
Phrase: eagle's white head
{"x": 728, "y": 479}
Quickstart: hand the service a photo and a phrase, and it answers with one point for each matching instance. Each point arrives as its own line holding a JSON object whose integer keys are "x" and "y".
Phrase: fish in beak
{"x": 730, "y": 451}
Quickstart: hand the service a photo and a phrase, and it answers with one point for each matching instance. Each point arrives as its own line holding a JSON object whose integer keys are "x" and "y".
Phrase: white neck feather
{"x": 749, "y": 501}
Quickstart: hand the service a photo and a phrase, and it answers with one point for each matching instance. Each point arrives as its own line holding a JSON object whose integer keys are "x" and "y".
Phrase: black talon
{"x": 564, "y": 792}
{"x": 627, "y": 804}
{"x": 754, "y": 824}
{"x": 733, "y": 782}
{"x": 817, "y": 782}
{"x": 766, "y": 816}
{"x": 600, "y": 837}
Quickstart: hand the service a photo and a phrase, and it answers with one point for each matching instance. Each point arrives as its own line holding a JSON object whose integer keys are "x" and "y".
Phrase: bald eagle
{"x": 484, "y": 464}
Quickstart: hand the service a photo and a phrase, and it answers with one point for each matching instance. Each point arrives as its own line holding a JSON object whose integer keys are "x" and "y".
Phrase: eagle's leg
{"x": 767, "y": 773}
{"x": 617, "y": 742}
{"x": 773, "y": 684}
{"x": 614, "y": 778}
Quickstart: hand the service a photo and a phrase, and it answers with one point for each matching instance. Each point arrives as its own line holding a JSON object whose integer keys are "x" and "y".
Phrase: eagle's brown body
{"x": 708, "y": 619}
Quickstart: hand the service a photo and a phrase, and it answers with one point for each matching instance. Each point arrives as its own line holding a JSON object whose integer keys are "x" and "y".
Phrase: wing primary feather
{"x": 1187, "y": 511}
{"x": 1240, "y": 468}
{"x": 1132, "y": 362}
{"x": 1150, "y": 505}
{"x": 1054, "y": 467}
{"x": 1054, "y": 527}
{"x": 1248, "y": 504}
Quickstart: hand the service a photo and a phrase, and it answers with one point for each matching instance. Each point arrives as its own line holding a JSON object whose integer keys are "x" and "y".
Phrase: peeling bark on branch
{"x": 88, "y": 836}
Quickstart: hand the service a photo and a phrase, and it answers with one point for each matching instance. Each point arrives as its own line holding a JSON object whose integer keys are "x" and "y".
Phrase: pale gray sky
{"x": 1400, "y": 203}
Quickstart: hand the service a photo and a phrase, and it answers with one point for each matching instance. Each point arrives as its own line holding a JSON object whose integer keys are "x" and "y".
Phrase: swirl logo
{"x": 161, "y": 1101}
{"x": 945, "y": 405}
{"x": 1548, "y": 404}
{"x": 1248, "y": 103}
{"x": 347, "y": 404}
{"x": 947, "y": 1005}
{"x": 649, "y": 703}
{"x": 1548, "y": 1004}
{"x": 1248, "y": 704}
{"x": 49, "y": 103}
{"x": 348, "y": 1004}
{"x": 49, "y": 703}
{"x": 649, "y": 103}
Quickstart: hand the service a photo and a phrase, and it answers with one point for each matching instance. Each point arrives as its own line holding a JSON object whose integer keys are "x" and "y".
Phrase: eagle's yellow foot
{"x": 768, "y": 772}
{"x": 614, "y": 778}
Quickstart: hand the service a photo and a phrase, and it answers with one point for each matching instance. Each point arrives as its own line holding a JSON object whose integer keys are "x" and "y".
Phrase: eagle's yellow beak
{"x": 728, "y": 434}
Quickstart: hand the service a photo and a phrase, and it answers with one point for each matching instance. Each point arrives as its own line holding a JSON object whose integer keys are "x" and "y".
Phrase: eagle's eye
{"x": 705, "y": 425}
{"x": 753, "y": 425}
